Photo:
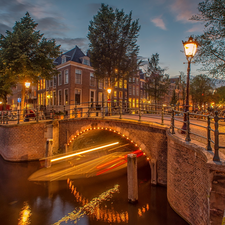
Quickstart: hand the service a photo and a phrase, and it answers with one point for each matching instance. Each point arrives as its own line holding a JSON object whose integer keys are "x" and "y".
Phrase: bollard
{"x": 162, "y": 123}
{"x": 216, "y": 141}
{"x": 48, "y": 152}
{"x": 208, "y": 135}
{"x": 132, "y": 180}
{"x": 172, "y": 122}
{"x": 152, "y": 164}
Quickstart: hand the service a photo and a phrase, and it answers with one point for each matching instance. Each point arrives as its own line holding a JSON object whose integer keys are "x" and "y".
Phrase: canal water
{"x": 95, "y": 200}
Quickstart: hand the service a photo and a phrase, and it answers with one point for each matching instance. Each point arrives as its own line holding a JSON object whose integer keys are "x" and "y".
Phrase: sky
{"x": 164, "y": 24}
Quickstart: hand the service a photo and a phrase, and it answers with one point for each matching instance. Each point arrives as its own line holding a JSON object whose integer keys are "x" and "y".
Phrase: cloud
{"x": 196, "y": 28}
{"x": 184, "y": 10}
{"x": 69, "y": 43}
{"x": 44, "y": 13}
{"x": 159, "y": 23}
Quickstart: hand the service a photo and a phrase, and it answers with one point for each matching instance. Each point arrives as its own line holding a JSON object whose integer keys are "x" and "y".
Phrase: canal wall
{"x": 195, "y": 184}
{"x": 27, "y": 141}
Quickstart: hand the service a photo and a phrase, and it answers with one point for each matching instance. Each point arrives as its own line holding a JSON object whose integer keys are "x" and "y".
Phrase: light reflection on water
{"x": 51, "y": 201}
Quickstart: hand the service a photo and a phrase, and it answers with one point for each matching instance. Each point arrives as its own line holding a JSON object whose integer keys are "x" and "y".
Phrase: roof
{"x": 74, "y": 55}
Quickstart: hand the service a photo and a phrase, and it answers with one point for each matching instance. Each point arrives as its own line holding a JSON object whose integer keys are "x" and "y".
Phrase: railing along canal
{"x": 206, "y": 119}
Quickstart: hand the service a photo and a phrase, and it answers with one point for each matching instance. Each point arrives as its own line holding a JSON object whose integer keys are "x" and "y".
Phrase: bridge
{"x": 194, "y": 178}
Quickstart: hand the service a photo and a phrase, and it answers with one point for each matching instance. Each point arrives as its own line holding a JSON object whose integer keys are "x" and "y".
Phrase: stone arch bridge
{"x": 195, "y": 184}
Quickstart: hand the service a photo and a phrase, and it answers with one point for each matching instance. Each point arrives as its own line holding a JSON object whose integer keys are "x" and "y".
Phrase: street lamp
{"x": 109, "y": 90}
{"x": 27, "y": 86}
{"x": 190, "y": 48}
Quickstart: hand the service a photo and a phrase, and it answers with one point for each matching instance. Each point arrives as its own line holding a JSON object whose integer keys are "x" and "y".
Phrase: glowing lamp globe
{"x": 109, "y": 90}
{"x": 27, "y": 84}
{"x": 190, "y": 47}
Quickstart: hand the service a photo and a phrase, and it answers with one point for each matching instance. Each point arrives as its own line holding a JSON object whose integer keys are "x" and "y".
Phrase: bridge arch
{"x": 151, "y": 138}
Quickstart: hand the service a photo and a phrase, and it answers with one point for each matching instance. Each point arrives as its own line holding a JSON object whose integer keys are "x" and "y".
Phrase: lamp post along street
{"x": 109, "y": 90}
{"x": 27, "y": 86}
{"x": 190, "y": 48}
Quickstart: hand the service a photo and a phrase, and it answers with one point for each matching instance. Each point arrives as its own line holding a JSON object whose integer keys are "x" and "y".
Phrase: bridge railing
{"x": 205, "y": 133}
{"x": 86, "y": 109}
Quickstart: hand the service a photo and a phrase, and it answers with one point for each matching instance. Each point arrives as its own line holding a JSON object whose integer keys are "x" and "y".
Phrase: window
{"x": 133, "y": 90}
{"x": 92, "y": 79}
{"x": 54, "y": 81}
{"x": 120, "y": 83}
{"x": 77, "y": 96}
{"x": 66, "y": 97}
{"x": 63, "y": 59}
{"x": 66, "y": 76}
{"x": 92, "y": 97}
{"x": 60, "y": 97}
{"x": 115, "y": 94}
{"x": 116, "y": 84}
{"x": 130, "y": 90}
{"x": 86, "y": 62}
{"x": 125, "y": 84}
{"x": 130, "y": 79}
{"x": 137, "y": 81}
{"x": 54, "y": 98}
{"x": 100, "y": 84}
{"x": 120, "y": 94}
{"x": 60, "y": 79}
{"x": 43, "y": 84}
{"x": 137, "y": 91}
{"x": 78, "y": 76}
{"x": 133, "y": 79}
{"x": 50, "y": 83}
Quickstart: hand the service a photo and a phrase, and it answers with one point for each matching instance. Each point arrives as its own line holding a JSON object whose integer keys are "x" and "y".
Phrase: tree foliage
{"x": 201, "y": 89}
{"x": 174, "y": 98}
{"x": 158, "y": 83}
{"x": 113, "y": 43}
{"x": 211, "y": 50}
{"x": 220, "y": 95}
{"x": 25, "y": 54}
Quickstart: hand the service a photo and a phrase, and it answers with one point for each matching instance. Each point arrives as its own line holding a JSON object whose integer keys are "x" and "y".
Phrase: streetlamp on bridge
{"x": 190, "y": 48}
{"x": 109, "y": 90}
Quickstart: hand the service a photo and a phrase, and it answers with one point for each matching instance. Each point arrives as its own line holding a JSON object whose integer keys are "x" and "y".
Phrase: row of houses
{"x": 76, "y": 85}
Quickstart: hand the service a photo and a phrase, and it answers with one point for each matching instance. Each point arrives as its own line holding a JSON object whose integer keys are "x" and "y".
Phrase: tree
{"x": 113, "y": 44}
{"x": 211, "y": 50}
{"x": 201, "y": 90}
{"x": 26, "y": 54}
{"x": 158, "y": 83}
{"x": 173, "y": 99}
{"x": 219, "y": 95}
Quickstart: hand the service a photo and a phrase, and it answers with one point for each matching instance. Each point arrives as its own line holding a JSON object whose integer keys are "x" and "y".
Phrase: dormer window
{"x": 86, "y": 62}
{"x": 63, "y": 59}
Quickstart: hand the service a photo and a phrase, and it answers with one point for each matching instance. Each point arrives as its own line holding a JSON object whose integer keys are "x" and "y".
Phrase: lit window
{"x": 120, "y": 94}
{"x": 120, "y": 83}
{"x": 125, "y": 84}
{"x": 115, "y": 94}
{"x": 100, "y": 84}
{"x": 78, "y": 76}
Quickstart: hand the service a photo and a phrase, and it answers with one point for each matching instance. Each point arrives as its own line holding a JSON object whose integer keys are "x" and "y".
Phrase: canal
{"x": 29, "y": 194}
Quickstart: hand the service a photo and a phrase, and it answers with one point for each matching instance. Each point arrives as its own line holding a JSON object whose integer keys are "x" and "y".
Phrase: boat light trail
{"x": 83, "y": 152}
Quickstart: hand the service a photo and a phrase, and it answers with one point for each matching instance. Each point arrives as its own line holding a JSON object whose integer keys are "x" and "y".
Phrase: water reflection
{"x": 25, "y": 215}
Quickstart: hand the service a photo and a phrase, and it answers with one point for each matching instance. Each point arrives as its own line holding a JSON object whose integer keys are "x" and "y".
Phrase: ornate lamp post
{"x": 27, "y": 86}
{"x": 190, "y": 48}
{"x": 109, "y": 90}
